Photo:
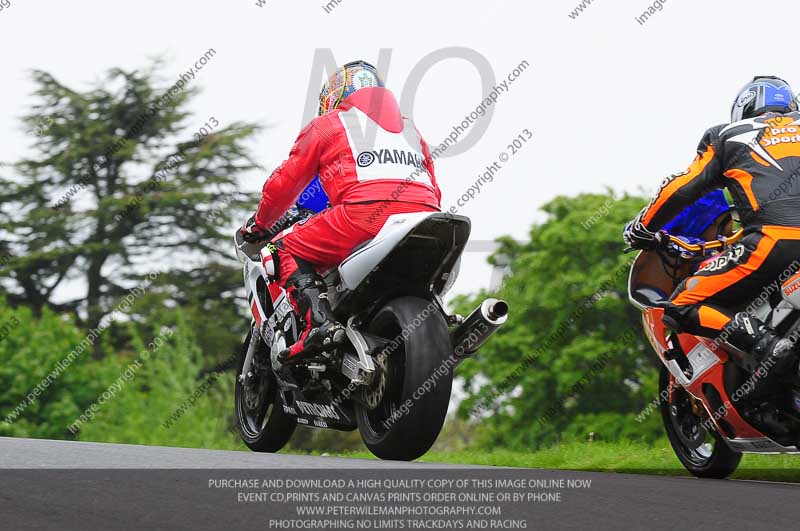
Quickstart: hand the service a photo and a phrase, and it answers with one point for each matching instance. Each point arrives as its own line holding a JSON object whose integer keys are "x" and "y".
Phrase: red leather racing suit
{"x": 372, "y": 163}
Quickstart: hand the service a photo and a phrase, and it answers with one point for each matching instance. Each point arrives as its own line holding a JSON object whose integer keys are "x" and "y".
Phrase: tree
{"x": 120, "y": 185}
{"x": 156, "y": 390}
{"x": 572, "y": 350}
{"x": 212, "y": 303}
{"x": 44, "y": 383}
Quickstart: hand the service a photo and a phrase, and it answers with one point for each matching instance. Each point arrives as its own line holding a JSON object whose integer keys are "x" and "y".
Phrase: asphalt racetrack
{"x": 85, "y": 486}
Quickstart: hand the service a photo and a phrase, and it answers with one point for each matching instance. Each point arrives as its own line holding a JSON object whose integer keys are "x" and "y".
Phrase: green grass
{"x": 611, "y": 457}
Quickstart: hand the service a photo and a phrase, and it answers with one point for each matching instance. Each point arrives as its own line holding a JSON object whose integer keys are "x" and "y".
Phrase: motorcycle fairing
{"x": 269, "y": 303}
{"x": 707, "y": 359}
{"x": 254, "y": 277}
{"x": 759, "y": 445}
{"x": 791, "y": 291}
{"x": 318, "y": 412}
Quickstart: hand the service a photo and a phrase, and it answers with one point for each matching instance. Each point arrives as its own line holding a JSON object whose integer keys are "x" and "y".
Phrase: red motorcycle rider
{"x": 757, "y": 158}
{"x": 366, "y": 182}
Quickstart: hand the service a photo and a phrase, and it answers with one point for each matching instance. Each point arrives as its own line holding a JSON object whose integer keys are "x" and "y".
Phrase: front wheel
{"x": 702, "y": 452}
{"x": 404, "y": 409}
{"x": 262, "y": 423}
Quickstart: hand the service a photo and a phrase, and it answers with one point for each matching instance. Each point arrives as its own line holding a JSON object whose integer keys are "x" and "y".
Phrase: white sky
{"x": 611, "y": 102}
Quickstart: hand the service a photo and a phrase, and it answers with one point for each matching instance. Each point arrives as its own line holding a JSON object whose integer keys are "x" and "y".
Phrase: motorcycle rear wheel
{"x": 703, "y": 453}
{"x": 415, "y": 391}
{"x": 260, "y": 419}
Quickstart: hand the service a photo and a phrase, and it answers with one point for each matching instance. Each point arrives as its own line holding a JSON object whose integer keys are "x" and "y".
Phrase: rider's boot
{"x": 758, "y": 346}
{"x": 676, "y": 353}
{"x": 309, "y": 296}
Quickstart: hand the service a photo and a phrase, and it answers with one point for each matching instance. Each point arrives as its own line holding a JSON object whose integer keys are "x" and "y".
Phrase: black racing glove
{"x": 252, "y": 233}
{"x": 638, "y": 236}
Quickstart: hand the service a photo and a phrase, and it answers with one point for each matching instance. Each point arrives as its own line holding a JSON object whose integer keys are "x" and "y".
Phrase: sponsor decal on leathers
{"x": 389, "y": 156}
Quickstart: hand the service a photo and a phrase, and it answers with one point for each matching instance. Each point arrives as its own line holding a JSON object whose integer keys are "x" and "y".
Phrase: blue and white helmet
{"x": 763, "y": 94}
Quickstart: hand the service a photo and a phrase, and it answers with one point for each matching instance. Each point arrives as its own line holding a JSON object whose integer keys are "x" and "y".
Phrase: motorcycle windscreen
{"x": 649, "y": 285}
{"x": 693, "y": 221}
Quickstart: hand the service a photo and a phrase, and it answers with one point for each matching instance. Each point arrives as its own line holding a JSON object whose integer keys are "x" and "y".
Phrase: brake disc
{"x": 253, "y": 392}
{"x": 373, "y": 395}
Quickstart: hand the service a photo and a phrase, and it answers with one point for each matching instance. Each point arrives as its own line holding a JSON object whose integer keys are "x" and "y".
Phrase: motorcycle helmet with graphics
{"x": 345, "y": 81}
{"x": 763, "y": 94}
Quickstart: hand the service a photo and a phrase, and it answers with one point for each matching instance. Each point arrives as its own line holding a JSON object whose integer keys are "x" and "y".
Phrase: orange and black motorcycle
{"x": 720, "y": 411}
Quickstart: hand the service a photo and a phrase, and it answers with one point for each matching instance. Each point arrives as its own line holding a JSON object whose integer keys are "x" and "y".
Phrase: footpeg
{"x": 339, "y": 336}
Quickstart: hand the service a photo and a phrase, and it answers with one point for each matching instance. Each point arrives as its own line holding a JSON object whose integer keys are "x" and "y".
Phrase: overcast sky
{"x": 610, "y": 102}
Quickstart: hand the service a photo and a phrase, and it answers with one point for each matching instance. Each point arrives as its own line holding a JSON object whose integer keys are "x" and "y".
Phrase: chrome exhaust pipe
{"x": 479, "y": 327}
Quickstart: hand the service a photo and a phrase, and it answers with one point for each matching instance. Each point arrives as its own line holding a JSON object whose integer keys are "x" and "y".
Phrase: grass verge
{"x": 630, "y": 458}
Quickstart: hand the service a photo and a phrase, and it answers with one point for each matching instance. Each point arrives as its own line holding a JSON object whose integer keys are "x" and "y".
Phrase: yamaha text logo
{"x": 365, "y": 159}
{"x": 390, "y": 156}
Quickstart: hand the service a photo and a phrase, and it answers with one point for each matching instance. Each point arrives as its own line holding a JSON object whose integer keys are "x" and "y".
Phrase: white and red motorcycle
{"x": 392, "y": 379}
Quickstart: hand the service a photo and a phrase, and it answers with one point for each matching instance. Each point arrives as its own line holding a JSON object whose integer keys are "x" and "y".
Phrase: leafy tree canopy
{"x": 572, "y": 349}
{"x": 123, "y": 183}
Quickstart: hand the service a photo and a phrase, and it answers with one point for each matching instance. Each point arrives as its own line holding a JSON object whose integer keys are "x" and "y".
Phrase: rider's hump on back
{"x": 374, "y": 153}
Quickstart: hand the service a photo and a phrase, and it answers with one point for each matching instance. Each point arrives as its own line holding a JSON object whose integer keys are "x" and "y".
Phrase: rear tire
{"x": 262, "y": 424}
{"x": 703, "y": 453}
{"x": 408, "y": 419}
